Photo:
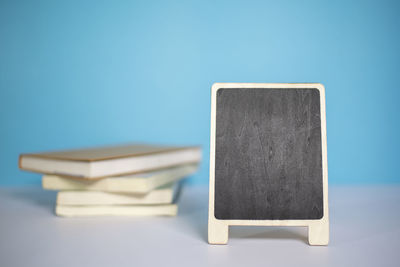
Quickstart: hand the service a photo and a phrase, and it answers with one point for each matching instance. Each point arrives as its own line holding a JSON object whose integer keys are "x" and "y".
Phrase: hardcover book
{"x": 95, "y": 163}
{"x": 134, "y": 183}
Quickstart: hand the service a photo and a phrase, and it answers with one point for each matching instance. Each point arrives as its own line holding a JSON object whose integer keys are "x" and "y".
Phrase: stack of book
{"x": 120, "y": 180}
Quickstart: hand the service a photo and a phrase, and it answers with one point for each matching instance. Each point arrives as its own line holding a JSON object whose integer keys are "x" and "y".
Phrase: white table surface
{"x": 365, "y": 231}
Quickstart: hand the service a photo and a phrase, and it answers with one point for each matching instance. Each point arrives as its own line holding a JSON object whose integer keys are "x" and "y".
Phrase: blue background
{"x": 83, "y": 73}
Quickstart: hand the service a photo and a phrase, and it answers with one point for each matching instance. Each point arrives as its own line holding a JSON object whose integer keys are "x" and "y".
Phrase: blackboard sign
{"x": 268, "y": 163}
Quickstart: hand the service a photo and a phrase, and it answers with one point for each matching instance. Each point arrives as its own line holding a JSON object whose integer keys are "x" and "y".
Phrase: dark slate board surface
{"x": 268, "y": 158}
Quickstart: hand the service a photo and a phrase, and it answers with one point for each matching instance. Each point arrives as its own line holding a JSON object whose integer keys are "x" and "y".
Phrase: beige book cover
{"x": 100, "y": 162}
{"x": 135, "y": 183}
{"x": 162, "y": 195}
{"x": 116, "y": 210}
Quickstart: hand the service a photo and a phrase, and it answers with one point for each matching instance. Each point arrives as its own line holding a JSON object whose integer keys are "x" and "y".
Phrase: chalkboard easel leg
{"x": 217, "y": 233}
{"x": 318, "y": 233}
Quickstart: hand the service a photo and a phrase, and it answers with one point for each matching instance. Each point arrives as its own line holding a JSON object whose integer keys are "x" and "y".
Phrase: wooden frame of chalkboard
{"x": 314, "y": 215}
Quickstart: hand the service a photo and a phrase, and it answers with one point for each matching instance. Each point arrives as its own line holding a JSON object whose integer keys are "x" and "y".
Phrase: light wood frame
{"x": 318, "y": 230}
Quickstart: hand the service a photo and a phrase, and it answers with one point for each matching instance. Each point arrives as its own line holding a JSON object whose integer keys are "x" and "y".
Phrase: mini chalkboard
{"x": 268, "y": 159}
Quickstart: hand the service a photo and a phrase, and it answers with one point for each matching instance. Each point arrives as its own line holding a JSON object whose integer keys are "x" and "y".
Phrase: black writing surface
{"x": 268, "y": 157}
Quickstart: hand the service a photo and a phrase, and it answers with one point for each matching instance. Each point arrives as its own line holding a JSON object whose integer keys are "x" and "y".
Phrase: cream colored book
{"x": 116, "y": 210}
{"x": 136, "y": 183}
{"x": 162, "y": 195}
{"x": 101, "y": 162}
